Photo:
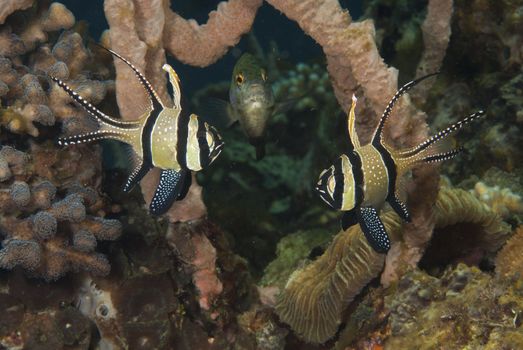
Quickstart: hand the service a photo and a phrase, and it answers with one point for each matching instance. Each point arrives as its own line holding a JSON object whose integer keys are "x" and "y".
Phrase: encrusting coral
{"x": 316, "y": 296}
{"x": 464, "y": 308}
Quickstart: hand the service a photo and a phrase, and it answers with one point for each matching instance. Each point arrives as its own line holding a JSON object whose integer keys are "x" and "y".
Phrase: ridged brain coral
{"x": 316, "y": 296}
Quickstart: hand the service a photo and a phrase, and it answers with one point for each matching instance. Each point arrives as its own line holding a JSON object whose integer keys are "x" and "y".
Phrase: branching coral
{"x": 316, "y": 296}
{"x": 50, "y": 223}
{"x": 56, "y": 236}
{"x": 26, "y": 97}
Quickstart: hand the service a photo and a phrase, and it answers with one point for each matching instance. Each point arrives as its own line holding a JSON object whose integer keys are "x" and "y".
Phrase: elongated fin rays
{"x": 426, "y": 152}
{"x": 173, "y": 184}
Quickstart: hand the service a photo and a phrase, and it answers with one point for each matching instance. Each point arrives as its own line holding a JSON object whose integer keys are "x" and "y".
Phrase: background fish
{"x": 251, "y": 101}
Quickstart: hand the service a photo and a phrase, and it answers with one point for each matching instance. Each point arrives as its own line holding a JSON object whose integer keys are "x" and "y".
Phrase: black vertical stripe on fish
{"x": 392, "y": 173}
{"x": 357, "y": 173}
{"x": 349, "y": 219}
{"x": 201, "y": 135}
{"x": 324, "y": 179}
{"x": 182, "y": 133}
{"x": 147, "y": 146}
{"x": 339, "y": 183}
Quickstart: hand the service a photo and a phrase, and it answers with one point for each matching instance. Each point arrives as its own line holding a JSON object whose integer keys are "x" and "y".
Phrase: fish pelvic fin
{"x": 378, "y": 133}
{"x": 373, "y": 229}
{"x": 436, "y": 148}
{"x": 173, "y": 186}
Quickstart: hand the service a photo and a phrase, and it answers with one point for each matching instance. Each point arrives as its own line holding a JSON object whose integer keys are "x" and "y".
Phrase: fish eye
{"x": 263, "y": 75}
{"x": 239, "y": 78}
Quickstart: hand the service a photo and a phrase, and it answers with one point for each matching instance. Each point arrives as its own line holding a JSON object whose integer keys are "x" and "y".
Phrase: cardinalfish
{"x": 162, "y": 137}
{"x": 252, "y": 102}
{"x": 361, "y": 181}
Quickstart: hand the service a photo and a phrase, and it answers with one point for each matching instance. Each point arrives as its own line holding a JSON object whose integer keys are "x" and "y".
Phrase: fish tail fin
{"x": 100, "y": 117}
{"x": 259, "y": 145}
{"x": 86, "y": 137}
{"x": 436, "y": 148}
{"x": 260, "y": 151}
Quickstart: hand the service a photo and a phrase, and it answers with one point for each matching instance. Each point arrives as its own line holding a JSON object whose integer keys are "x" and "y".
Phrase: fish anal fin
{"x": 136, "y": 175}
{"x": 348, "y": 219}
{"x": 84, "y": 138}
{"x": 373, "y": 229}
{"x": 169, "y": 188}
{"x": 399, "y": 207}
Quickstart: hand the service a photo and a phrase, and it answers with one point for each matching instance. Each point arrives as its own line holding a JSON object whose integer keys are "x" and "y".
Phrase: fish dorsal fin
{"x": 378, "y": 134}
{"x": 175, "y": 83}
{"x": 156, "y": 103}
{"x": 353, "y": 135}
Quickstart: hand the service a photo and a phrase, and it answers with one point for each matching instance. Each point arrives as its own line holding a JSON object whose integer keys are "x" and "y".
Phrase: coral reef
{"x": 52, "y": 211}
{"x": 501, "y": 200}
{"x": 464, "y": 308}
{"x": 39, "y": 315}
{"x": 508, "y": 260}
{"x": 45, "y": 234}
{"x": 323, "y": 289}
{"x": 315, "y": 296}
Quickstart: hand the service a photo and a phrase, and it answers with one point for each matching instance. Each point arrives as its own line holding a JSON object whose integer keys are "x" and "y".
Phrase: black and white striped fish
{"x": 361, "y": 181}
{"x": 162, "y": 137}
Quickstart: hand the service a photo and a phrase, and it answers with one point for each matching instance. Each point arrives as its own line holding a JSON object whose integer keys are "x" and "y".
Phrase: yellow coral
{"x": 502, "y": 200}
{"x": 315, "y": 297}
{"x": 509, "y": 260}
